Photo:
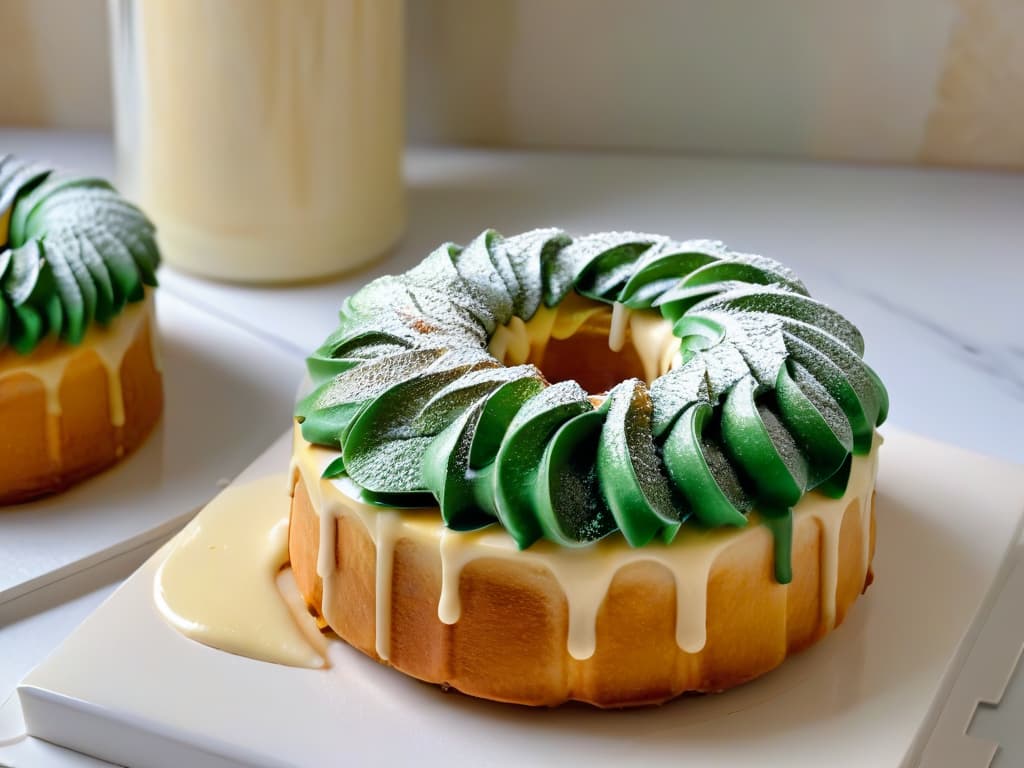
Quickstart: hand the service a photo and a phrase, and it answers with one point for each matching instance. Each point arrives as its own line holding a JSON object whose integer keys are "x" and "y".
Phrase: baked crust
{"x": 42, "y": 452}
{"x": 509, "y": 643}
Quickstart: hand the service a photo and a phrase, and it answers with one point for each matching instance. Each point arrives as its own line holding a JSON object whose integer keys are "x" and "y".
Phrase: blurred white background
{"x": 936, "y": 81}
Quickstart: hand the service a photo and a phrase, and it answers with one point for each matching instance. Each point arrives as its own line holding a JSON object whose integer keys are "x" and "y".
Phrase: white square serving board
{"x": 128, "y": 688}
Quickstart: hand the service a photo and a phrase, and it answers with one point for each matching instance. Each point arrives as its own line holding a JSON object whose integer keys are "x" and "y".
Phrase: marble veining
{"x": 1004, "y": 364}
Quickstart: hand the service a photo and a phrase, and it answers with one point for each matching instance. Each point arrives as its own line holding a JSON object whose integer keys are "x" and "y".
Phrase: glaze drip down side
{"x": 218, "y": 582}
{"x": 371, "y": 568}
{"x": 71, "y": 410}
{"x": 584, "y": 574}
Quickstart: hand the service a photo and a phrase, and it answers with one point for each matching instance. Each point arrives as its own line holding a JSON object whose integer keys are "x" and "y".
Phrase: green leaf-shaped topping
{"x": 604, "y": 266}
{"x": 438, "y": 273}
{"x": 700, "y": 470}
{"x": 444, "y": 406}
{"x": 725, "y": 366}
{"x": 518, "y": 459}
{"x": 446, "y": 473}
{"x": 123, "y": 272}
{"x": 676, "y": 391}
{"x": 603, "y": 261}
{"x": 17, "y": 179}
{"x": 630, "y": 469}
{"x": 663, "y": 266}
{"x": 69, "y": 295}
{"x": 54, "y": 313}
{"x": 843, "y": 375}
{"x": 762, "y": 448}
{"x": 815, "y": 419}
{"x": 745, "y": 268}
{"x": 26, "y": 328}
{"x": 29, "y": 278}
{"x": 383, "y": 306}
{"x": 835, "y": 485}
{"x": 503, "y": 266}
{"x": 437, "y": 318}
{"x": 570, "y": 506}
{"x": 326, "y": 412}
{"x": 79, "y": 252}
{"x": 881, "y": 394}
{"x": 74, "y": 283}
{"x": 781, "y": 302}
{"x": 383, "y": 445}
{"x": 331, "y": 359}
{"x": 108, "y": 300}
{"x": 476, "y": 267}
{"x": 27, "y": 221}
{"x": 698, "y": 332}
{"x": 500, "y": 409}
{"x": 527, "y": 253}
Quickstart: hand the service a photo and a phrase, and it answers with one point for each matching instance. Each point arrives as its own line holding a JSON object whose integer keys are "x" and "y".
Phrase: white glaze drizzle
{"x": 830, "y": 513}
{"x": 516, "y": 342}
{"x": 388, "y": 523}
{"x": 655, "y": 345}
{"x": 867, "y": 505}
{"x": 218, "y": 583}
{"x": 620, "y": 322}
{"x": 327, "y": 552}
{"x": 584, "y": 574}
{"x": 451, "y": 547}
{"x": 49, "y": 363}
{"x": 115, "y": 395}
{"x": 830, "y": 518}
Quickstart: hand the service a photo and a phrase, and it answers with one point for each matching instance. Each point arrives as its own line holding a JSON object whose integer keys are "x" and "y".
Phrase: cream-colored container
{"x": 264, "y": 137}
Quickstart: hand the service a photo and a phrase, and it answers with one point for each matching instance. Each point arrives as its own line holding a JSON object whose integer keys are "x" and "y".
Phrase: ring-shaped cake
{"x": 702, "y": 513}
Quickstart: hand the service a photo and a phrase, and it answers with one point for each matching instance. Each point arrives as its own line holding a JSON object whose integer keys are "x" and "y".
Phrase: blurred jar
{"x": 263, "y": 137}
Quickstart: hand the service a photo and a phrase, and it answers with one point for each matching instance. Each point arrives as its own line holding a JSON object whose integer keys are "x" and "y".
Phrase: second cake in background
{"x": 80, "y": 382}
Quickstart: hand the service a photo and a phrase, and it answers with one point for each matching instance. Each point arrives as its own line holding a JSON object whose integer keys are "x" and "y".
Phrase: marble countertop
{"x": 927, "y": 262}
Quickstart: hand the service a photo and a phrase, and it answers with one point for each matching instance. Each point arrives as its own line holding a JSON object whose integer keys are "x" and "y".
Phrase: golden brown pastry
{"x": 465, "y": 511}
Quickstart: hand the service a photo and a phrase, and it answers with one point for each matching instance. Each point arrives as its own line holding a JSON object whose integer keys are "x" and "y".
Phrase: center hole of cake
{"x": 586, "y": 357}
{"x": 590, "y": 343}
